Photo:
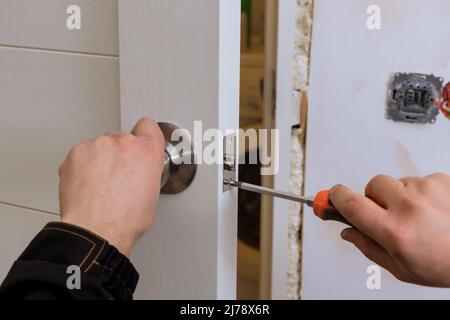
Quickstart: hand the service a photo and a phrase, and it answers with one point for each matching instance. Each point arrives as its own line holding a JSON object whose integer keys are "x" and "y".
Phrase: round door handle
{"x": 179, "y": 163}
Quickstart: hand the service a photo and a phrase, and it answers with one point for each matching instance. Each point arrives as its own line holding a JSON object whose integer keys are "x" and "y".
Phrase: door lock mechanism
{"x": 230, "y": 160}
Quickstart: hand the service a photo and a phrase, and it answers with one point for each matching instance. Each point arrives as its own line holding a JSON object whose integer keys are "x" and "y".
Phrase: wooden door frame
{"x": 279, "y": 84}
{"x": 179, "y": 62}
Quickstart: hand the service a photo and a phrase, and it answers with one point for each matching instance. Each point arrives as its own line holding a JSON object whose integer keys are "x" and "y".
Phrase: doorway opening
{"x": 253, "y": 70}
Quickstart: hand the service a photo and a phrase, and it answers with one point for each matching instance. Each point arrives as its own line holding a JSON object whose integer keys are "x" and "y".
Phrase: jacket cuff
{"x": 68, "y": 245}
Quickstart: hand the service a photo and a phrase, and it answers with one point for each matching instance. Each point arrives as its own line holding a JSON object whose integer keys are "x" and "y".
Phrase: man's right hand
{"x": 402, "y": 225}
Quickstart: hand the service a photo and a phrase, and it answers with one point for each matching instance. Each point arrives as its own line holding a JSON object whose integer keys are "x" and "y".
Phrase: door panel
{"x": 182, "y": 66}
{"x": 42, "y": 24}
{"x": 17, "y": 228}
{"x": 50, "y": 101}
{"x": 349, "y": 139}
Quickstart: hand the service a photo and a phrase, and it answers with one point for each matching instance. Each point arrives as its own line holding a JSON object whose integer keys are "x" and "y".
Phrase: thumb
{"x": 146, "y": 127}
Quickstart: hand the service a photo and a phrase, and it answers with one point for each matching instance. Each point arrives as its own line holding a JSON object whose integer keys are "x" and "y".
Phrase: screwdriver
{"x": 321, "y": 204}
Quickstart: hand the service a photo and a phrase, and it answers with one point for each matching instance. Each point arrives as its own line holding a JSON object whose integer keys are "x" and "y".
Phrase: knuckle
{"x": 103, "y": 139}
{"x": 378, "y": 178}
{"x": 126, "y": 143}
{"x": 126, "y": 139}
{"x": 439, "y": 175}
{"x": 430, "y": 182}
{"x": 102, "y": 142}
{"x": 76, "y": 151}
{"x": 375, "y": 183}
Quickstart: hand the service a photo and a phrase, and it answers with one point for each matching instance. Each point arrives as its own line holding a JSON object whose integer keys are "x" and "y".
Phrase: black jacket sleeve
{"x": 67, "y": 262}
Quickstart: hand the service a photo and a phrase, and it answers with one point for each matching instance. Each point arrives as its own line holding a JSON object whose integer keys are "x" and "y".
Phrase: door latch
{"x": 230, "y": 160}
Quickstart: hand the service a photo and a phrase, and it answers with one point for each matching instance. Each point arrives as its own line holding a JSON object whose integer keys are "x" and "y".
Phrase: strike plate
{"x": 230, "y": 160}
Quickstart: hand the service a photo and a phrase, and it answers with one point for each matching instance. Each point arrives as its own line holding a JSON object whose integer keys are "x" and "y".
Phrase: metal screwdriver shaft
{"x": 270, "y": 192}
{"x": 323, "y": 208}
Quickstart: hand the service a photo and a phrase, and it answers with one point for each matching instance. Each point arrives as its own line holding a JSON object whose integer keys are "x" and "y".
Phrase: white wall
{"x": 349, "y": 139}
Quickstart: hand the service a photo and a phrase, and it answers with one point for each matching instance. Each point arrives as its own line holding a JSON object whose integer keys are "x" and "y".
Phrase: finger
{"x": 362, "y": 213}
{"x": 440, "y": 176}
{"x": 434, "y": 186}
{"x": 372, "y": 250}
{"x": 376, "y": 253}
{"x": 146, "y": 127}
{"x": 384, "y": 190}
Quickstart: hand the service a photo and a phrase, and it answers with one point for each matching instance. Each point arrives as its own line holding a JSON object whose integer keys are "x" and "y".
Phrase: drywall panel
{"x": 48, "y": 102}
{"x": 183, "y": 66}
{"x": 17, "y": 228}
{"x": 42, "y": 24}
{"x": 349, "y": 139}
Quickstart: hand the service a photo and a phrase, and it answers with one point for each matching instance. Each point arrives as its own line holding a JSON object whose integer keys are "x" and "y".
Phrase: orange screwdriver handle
{"x": 324, "y": 209}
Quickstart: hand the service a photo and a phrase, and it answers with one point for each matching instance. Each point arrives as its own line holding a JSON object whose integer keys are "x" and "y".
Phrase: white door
{"x": 349, "y": 138}
{"x": 177, "y": 61}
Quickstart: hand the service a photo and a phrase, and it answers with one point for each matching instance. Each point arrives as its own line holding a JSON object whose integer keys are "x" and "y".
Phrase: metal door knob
{"x": 179, "y": 164}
